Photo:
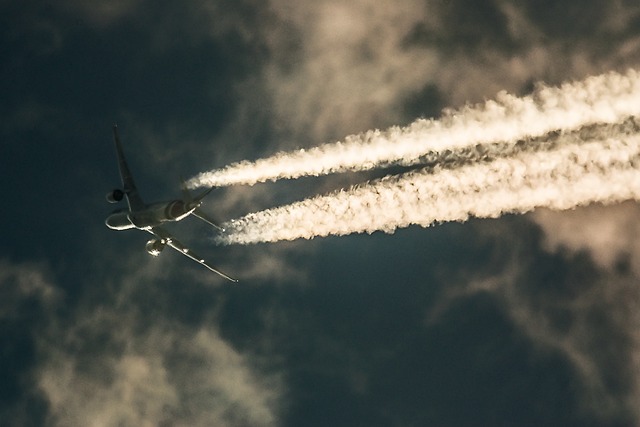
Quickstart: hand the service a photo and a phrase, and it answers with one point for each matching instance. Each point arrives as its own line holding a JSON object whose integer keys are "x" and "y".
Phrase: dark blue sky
{"x": 522, "y": 320}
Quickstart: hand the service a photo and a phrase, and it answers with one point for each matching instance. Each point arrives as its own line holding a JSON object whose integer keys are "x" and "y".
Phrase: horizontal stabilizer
{"x": 199, "y": 213}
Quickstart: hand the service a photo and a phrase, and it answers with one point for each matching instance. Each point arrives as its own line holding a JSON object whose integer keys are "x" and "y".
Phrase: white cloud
{"x": 28, "y": 299}
{"x": 354, "y": 67}
{"x": 611, "y": 234}
{"x": 21, "y": 282}
{"x": 351, "y": 69}
{"x": 589, "y": 320}
{"x": 167, "y": 374}
{"x": 272, "y": 264}
{"x": 118, "y": 356}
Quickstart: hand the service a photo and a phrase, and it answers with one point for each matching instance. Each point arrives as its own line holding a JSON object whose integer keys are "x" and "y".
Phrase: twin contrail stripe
{"x": 575, "y": 172}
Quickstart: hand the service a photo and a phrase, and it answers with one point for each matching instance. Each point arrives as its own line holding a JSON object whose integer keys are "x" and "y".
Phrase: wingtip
{"x": 231, "y": 279}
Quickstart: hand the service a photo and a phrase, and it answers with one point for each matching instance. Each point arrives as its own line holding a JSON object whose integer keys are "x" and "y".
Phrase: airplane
{"x": 151, "y": 217}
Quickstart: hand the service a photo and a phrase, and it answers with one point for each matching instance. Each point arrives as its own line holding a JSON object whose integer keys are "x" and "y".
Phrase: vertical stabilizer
{"x": 128, "y": 185}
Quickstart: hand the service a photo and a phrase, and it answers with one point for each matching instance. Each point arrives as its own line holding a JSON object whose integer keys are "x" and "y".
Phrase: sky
{"x": 519, "y": 320}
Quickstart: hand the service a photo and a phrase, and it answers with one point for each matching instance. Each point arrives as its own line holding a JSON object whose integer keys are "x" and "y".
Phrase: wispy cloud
{"x": 168, "y": 374}
{"x": 588, "y": 317}
{"x": 117, "y": 363}
{"x": 608, "y": 233}
{"x": 28, "y": 301}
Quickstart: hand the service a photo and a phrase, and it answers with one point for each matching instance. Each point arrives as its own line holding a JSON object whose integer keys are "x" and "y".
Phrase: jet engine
{"x": 114, "y": 196}
{"x": 155, "y": 246}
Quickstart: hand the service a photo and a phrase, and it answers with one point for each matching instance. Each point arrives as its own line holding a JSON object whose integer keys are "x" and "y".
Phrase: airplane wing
{"x": 129, "y": 186}
{"x": 199, "y": 213}
{"x": 161, "y": 233}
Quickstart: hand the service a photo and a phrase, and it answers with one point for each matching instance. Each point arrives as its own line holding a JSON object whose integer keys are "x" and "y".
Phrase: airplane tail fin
{"x": 128, "y": 185}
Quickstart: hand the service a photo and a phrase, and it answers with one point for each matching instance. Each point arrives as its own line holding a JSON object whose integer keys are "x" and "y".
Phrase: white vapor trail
{"x": 575, "y": 172}
{"x": 607, "y": 98}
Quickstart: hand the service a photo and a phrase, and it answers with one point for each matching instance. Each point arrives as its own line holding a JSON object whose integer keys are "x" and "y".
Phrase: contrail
{"x": 607, "y": 98}
{"x": 571, "y": 172}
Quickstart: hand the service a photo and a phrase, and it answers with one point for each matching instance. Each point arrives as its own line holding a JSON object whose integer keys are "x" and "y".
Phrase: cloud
{"x": 281, "y": 264}
{"x": 608, "y": 233}
{"x": 24, "y": 282}
{"x": 165, "y": 375}
{"x": 337, "y": 68}
{"x": 315, "y": 71}
{"x": 586, "y": 315}
{"x": 121, "y": 356}
{"x": 28, "y": 298}
{"x": 348, "y": 71}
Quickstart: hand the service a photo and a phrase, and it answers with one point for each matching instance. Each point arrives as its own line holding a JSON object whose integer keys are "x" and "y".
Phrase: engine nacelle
{"x": 114, "y": 196}
{"x": 155, "y": 246}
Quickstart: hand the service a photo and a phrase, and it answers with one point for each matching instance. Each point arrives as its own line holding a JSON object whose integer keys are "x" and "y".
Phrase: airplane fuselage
{"x": 152, "y": 216}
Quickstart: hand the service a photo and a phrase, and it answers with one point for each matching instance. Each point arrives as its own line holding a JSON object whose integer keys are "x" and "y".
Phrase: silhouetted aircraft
{"x": 151, "y": 217}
